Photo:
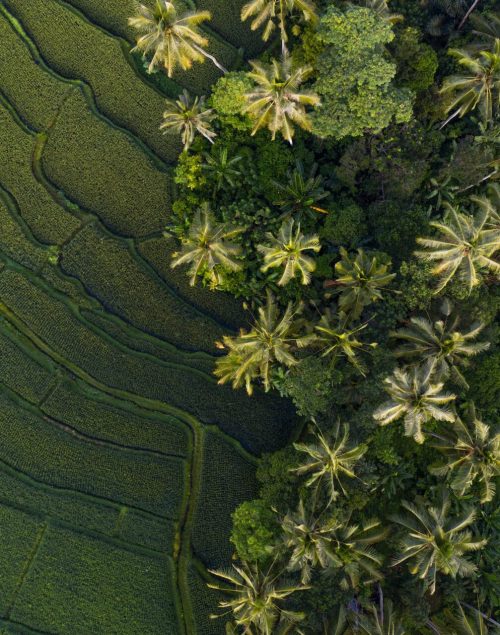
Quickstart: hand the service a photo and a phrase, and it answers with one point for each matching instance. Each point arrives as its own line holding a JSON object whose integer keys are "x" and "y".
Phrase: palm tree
{"x": 487, "y": 27}
{"x": 361, "y": 280}
{"x": 222, "y": 167}
{"x": 188, "y": 116}
{"x": 441, "y": 343}
{"x": 208, "y": 249}
{"x": 286, "y": 251}
{"x": 436, "y": 543}
{"x": 416, "y": 396}
{"x": 351, "y": 552}
{"x": 381, "y": 8}
{"x": 173, "y": 39}
{"x": 381, "y": 621}
{"x": 466, "y": 247}
{"x": 276, "y": 102}
{"x": 331, "y": 458}
{"x": 256, "y": 599}
{"x": 308, "y": 541}
{"x": 301, "y": 194}
{"x": 472, "y": 455}
{"x": 334, "y": 338}
{"x": 479, "y": 88}
{"x": 472, "y": 622}
{"x": 270, "y": 12}
{"x": 252, "y": 354}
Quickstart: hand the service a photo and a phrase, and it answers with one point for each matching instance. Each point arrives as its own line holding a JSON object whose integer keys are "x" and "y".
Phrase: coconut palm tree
{"x": 251, "y": 354}
{"x": 467, "y": 245}
{"x": 331, "y": 458}
{"x": 381, "y": 621}
{"x": 334, "y": 338}
{"x": 256, "y": 599}
{"x": 207, "y": 248}
{"x": 276, "y": 101}
{"x": 286, "y": 252}
{"x": 272, "y": 13}
{"x": 360, "y": 281}
{"x": 472, "y": 622}
{"x": 436, "y": 543}
{"x": 486, "y": 28}
{"x": 300, "y": 194}
{"x": 479, "y": 86}
{"x": 351, "y": 552}
{"x": 417, "y": 396}
{"x": 222, "y": 167}
{"x": 472, "y": 455}
{"x": 308, "y": 540}
{"x": 442, "y": 343}
{"x": 174, "y": 40}
{"x": 381, "y": 8}
{"x": 187, "y": 116}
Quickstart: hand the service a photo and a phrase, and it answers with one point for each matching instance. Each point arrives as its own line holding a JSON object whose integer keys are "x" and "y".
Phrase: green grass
{"x": 103, "y": 170}
{"x": 221, "y": 306}
{"x": 55, "y": 455}
{"x": 109, "y": 271}
{"x": 95, "y": 416}
{"x": 80, "y": 585}
{"x": 48, "y": 222}
{"x": 35, "y": 94}
{"x": 227, "y": 480}
{"x": 18, "y": 532}
{"x": 76, "y": 49}
{"x": 205, "y": 602}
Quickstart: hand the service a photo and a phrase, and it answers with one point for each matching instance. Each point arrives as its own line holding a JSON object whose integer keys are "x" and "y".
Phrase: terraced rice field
{"x": 120, "y": 457}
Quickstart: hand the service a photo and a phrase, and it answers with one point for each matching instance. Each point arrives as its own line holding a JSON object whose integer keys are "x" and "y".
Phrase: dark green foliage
{"x": 396, "y": 225}
{"x": 417, "y": 62}
{"x": 484, "y": 381}
{"x": 277, "y": 483}
{"x": 345, "y": 224}
{"x": 255, "y": 527}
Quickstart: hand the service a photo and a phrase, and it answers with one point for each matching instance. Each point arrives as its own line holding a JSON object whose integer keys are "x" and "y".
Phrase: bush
{"x": 345, "y": 224}
{"x": 254, "y": 531}
{"x": 228, "y": 99}
{"x": 417, "y": 62}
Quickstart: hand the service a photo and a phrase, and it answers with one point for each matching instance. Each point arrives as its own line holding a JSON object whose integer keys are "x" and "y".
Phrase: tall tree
{"x": 467, "y": 245}
{"x": 360, "y": 281}
{"x": 207, "y": 248}
{"x": 173, "y": 39}
{"x": 274, "y": 13}
{"x": 436, "y": 543}
{"x": 276, "y": 101}
{"x": 478, "y": 87}
{"x": 331, "y": 459}
{"x": 187, "y": 116}
{"x": 270, "y": 341}
{"x": 417, "y": 397}
{"x": 286, "y": 252}
{"x": 472, "y": 454}
{"x": 441, "y": 343}
{"x": 256, "y": 599}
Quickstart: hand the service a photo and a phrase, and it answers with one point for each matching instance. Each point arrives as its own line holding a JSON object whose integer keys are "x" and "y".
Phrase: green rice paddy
{"x": 120, "y": 457}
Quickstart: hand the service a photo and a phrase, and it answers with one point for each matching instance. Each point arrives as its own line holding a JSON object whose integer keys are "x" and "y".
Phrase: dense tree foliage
{"x": 368, "y": 255}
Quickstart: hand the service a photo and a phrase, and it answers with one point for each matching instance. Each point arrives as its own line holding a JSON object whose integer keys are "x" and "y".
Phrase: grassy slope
{"x": 121, "y": 459}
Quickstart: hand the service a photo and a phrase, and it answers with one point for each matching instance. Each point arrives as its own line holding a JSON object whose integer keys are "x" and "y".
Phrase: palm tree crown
{"x": 274, "y": 12}
{"x": 256, "y": 598}
{"x": 472, "y": 455}
{"x": 417, "y": 397}
{"x": 471, "y": 622}
{"x": 436, "y": 542}
{"x": 174, "y": 40}
{"x": 332, "y": 459}
{"x": 360, "y": 280}
{"x": 252, "y": 354}
{"x": 276, "y": 101}
{"x": 466, "y": 247}
{"x": 207, "y": 248}
{"x": 188, "y": 116}
{"x": 441, "y": 343}
{"x": 301, "y": 194}
{"x": 287, "y": 251}
{"x": 480, "y": 87}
